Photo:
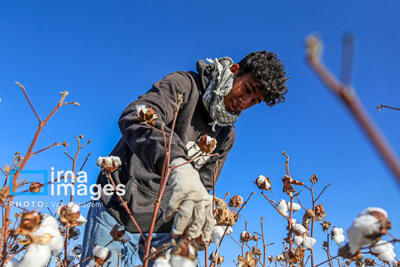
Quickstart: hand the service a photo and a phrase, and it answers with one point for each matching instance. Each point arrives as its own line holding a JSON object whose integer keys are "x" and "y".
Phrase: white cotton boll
{"x": 81, "y": 219}
{"x": 36, "y": 255}
{"x": 163, "y": 261}
{"x": 100, "y": 161}
{"x": 49, "y": 225}
{"x": 372, "y": 209}
{"x": 384, "y": 251}
{"x": 108, "y": 162}
{"x": 299, "y": 229}
{"x": 218, "y": 232}
{"x": 116, "y": 160}
{"x": 73, "y": 207}
{"x": 309, "y": 242}
{"x": 282, "y": 207}
{"x": 179, "y": 261}
{"x": 298, "y": 240}
{"x": 293, "y": 221}
{"x": 363, "y": 225}
{"x": 337, "y": 235}
{"x": 141, "y": 107}
{"x": 101, "y": 252}
{"x": 296, "y": 206}
{"x": 12, "y": 263}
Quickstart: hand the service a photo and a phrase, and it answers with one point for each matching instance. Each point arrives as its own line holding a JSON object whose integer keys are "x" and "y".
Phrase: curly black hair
{"x": 268, "y": 72}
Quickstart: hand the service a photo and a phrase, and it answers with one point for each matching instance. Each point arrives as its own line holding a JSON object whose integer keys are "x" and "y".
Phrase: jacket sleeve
{"x": 207, "y": 171}
{"x": 146, "y": 142}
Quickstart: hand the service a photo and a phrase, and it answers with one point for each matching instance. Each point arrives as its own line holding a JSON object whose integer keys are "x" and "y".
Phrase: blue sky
{"x": 108, "y": 53}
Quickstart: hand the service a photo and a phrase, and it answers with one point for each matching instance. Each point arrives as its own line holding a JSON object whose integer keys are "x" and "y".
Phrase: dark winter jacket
{"x": 141, "y": 148}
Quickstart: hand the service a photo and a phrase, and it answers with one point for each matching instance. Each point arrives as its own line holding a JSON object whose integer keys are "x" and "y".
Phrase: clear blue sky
{"x": 107, "y": 53}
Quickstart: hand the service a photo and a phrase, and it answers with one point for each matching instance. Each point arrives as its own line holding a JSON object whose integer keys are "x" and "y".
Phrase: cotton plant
{"x": 301, "y": 233}
{"x": 43, "y": 239}
{"x": 337, "y": 235}
{"x": 100, "y": 256}
{"x": 367, "y": 230}
{"x": 181, "y": 254}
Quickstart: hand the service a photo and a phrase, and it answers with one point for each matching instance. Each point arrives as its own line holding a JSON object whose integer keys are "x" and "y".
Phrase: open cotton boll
{"x": 36, "y": 255}
{"x": 337, "y": 235}
{"x": 141, "y": 108}
{"x": 100, "y": 161}
{"x": 101, "y": 252}
{"x": 180, "y": 261}
{"x": 282, "y": 207}
{"x": 81, "y": 219}
{"x": 384, "y": 251}
{"x": 73, "y": 207}
{"x": 218, "y": 232}
{"x": 299, "y": 229}
{"x": 372, "y": 209}
{"x": 298, "y": 240}
{"x": 296, "y": 206}
{"x": 108, "y": 162}
{"x": 364, "y": 225}
{"x": 309, "y": 242}
{"x": 49, "y": 225}
{"x": 163, "y": 261}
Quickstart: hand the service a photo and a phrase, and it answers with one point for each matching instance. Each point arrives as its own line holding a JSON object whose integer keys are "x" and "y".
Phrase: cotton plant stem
{"x": 328, "y": 254}
{"x": 237, "y": 216}
{"x": 206, "y": 255}
{"x": 28, "y": 155}
{"x": 312, "y": 223}
{"x": 164, "y": 179}
{"x": 352, "y": 102}
{"x": 108, "y": 174}
{"x": 319, "y": 264}
{"x": 66, "y": 246}
{"x": 273, "y": 205}
{"x": 320, "y": 194}
{"x": 82, "y": 261}
{"x": 263, "y": 240}
{"x": 290, "y": 223}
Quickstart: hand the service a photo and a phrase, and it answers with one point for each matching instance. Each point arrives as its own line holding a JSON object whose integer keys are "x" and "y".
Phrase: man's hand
{"x": 191, "y": 203}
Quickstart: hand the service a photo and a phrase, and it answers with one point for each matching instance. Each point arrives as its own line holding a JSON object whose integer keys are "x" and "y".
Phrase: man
{"x": 213, "y": 99}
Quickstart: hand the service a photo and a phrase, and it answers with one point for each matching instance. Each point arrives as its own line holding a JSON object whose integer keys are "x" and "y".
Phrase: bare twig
{"x": 325, "y": 187}
{"x": 29, "y": 101}
{"x": 349, "y": 97}
{"x": 48, "y": 147}
{"x": 272, "y": 204}
{"x": 126, "y": 207}
{"x": 381, "y": 106}
{"x": 84, "y": 162}
{"x": 319, "y": 264}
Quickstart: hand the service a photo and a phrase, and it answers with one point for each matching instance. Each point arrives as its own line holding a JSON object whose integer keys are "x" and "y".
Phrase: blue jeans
{"x": 97, "y": 232}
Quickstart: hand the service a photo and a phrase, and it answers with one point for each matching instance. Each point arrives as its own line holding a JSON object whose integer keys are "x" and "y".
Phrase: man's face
{"x": 244, "y": 93}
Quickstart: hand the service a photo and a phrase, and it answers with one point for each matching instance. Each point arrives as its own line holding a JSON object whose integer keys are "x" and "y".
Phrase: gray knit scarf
{"x": 220, "y": 85}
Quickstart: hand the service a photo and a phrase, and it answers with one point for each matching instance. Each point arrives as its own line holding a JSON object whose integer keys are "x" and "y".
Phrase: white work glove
{"x": 190, "y": 201}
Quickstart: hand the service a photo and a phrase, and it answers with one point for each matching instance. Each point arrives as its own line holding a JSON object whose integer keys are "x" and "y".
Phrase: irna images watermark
{"x": 65, "y": 183}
